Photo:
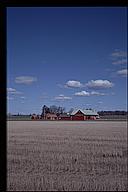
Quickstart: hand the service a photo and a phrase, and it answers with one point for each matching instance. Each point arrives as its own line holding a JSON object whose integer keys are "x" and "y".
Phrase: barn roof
{"x": 64, "y": 115}
{"x": 76, "y": 110}
{"x": 85, "y": 112}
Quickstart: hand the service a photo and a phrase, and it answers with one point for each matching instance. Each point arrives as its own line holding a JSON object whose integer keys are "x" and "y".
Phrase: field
{"x": 66, "y": 156}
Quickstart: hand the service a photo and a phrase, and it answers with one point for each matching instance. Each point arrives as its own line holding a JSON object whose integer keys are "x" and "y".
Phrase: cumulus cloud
{"x": 120, "y": 62}
{"x": 97, "y": 93}
{"x": 118, "y": 53}
{"x": 122, "y": 72}
{"x": 82, "y": 93}
{"x": 99, "y": 84}
{"x": 119, "y": 57}
{"x": 13, "y": 91}
{"x": 73, "y": 84}
{"x": 100, "y": 102}
{"x": 86, "y": 93}
{"x": 25, "y": 80}
{"x": 62, "y": 98}
{"x": 23, "y": 97}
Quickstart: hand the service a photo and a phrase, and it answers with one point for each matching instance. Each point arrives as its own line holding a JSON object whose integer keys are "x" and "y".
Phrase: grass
{"x": 67, "y": 156}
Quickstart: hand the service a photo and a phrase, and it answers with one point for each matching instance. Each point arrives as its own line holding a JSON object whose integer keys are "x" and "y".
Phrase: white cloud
{"x": 100, "y": 102}
{"x": 62, "y": 98}
{"x": 120, "y": 62}
{"x": 85, "y": 93}
{"x": 13, "y": 91}
{"x": 99, "y": 84}
{"x": 119, "y": 57}
{"x": 73, "y": 84}
{"x": 61, "y": 95}
{"x": 97, "y": 93}
{"x": 123, "y": 72}
{"x": 88, "y": 104}
{"x": 25, "y": 80}
{"x": 118, "y": 54}
{"x": 82, "y": 93}
{"x": 23, "y": 97}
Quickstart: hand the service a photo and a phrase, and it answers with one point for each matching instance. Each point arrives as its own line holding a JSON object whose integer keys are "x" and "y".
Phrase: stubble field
{"x": 66, "y": 156}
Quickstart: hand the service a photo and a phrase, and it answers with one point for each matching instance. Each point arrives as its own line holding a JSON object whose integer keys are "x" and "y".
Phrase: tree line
{"x": 103, "y": 113}
{"x": 61, "y": 110}
{"x": 53, "y": 109}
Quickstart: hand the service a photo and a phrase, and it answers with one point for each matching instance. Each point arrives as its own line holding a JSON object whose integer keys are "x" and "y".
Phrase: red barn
{"x": 81, "y": 115}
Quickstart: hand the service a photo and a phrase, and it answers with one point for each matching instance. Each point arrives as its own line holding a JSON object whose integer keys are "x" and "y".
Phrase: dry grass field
{"x": 66, "y": 156}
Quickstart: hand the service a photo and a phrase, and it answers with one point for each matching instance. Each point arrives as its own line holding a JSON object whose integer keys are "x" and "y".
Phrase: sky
{"x": 66, "y": 56}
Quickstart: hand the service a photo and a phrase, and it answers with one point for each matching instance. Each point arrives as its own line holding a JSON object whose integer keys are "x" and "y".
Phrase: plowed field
{"x": 66, "y": 156}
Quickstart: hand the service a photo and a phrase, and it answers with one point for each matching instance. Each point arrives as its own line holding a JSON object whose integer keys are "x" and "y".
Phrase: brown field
{"x": 66, "y": 156}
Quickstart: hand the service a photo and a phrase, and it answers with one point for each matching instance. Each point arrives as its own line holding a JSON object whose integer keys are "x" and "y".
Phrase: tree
{"x": 57, "y": 110}
{"x": 62, "y": 110}
{"x": 53, "y": 109}
{"x": 70, "y": 111}
{"x": 45, "y": 110}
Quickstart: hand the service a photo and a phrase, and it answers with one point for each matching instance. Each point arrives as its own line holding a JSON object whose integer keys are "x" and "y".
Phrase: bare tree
{"x": 70, "y": 111}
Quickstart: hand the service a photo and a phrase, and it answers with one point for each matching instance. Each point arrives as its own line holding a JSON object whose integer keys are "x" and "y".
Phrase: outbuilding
{"x": 82, "y": 115}
{"x": 64, "y": 117}
{"x": 51, "y": 116}
{"x": 34, "y": 116}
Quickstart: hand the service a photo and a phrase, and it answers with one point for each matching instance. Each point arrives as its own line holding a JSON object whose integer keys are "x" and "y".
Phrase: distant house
{"x": 34, "y": 116}
{"x": 64, "y": 117}
{"x": 87, "y": 114}
{"x": 50, "y": 116}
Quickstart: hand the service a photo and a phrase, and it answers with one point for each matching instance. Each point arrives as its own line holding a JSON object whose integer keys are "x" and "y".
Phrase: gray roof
{"x": 85, "y": 112}
{"x": 64, "y": 115}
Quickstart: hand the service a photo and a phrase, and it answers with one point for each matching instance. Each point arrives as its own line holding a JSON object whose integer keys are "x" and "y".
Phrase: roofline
{"x": 75, "y": 111}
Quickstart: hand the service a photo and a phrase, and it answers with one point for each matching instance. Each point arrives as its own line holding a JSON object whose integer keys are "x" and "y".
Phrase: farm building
{"x": 50, "y": 116}
{"x": 34, "y": 116}
{"x": 64, "y": 117}
{"x": 77, "y": 114}
{"x": 86, "y": 114}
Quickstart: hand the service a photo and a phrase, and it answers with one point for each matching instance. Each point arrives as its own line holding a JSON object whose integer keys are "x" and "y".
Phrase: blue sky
{"x": 70, "y": 57}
